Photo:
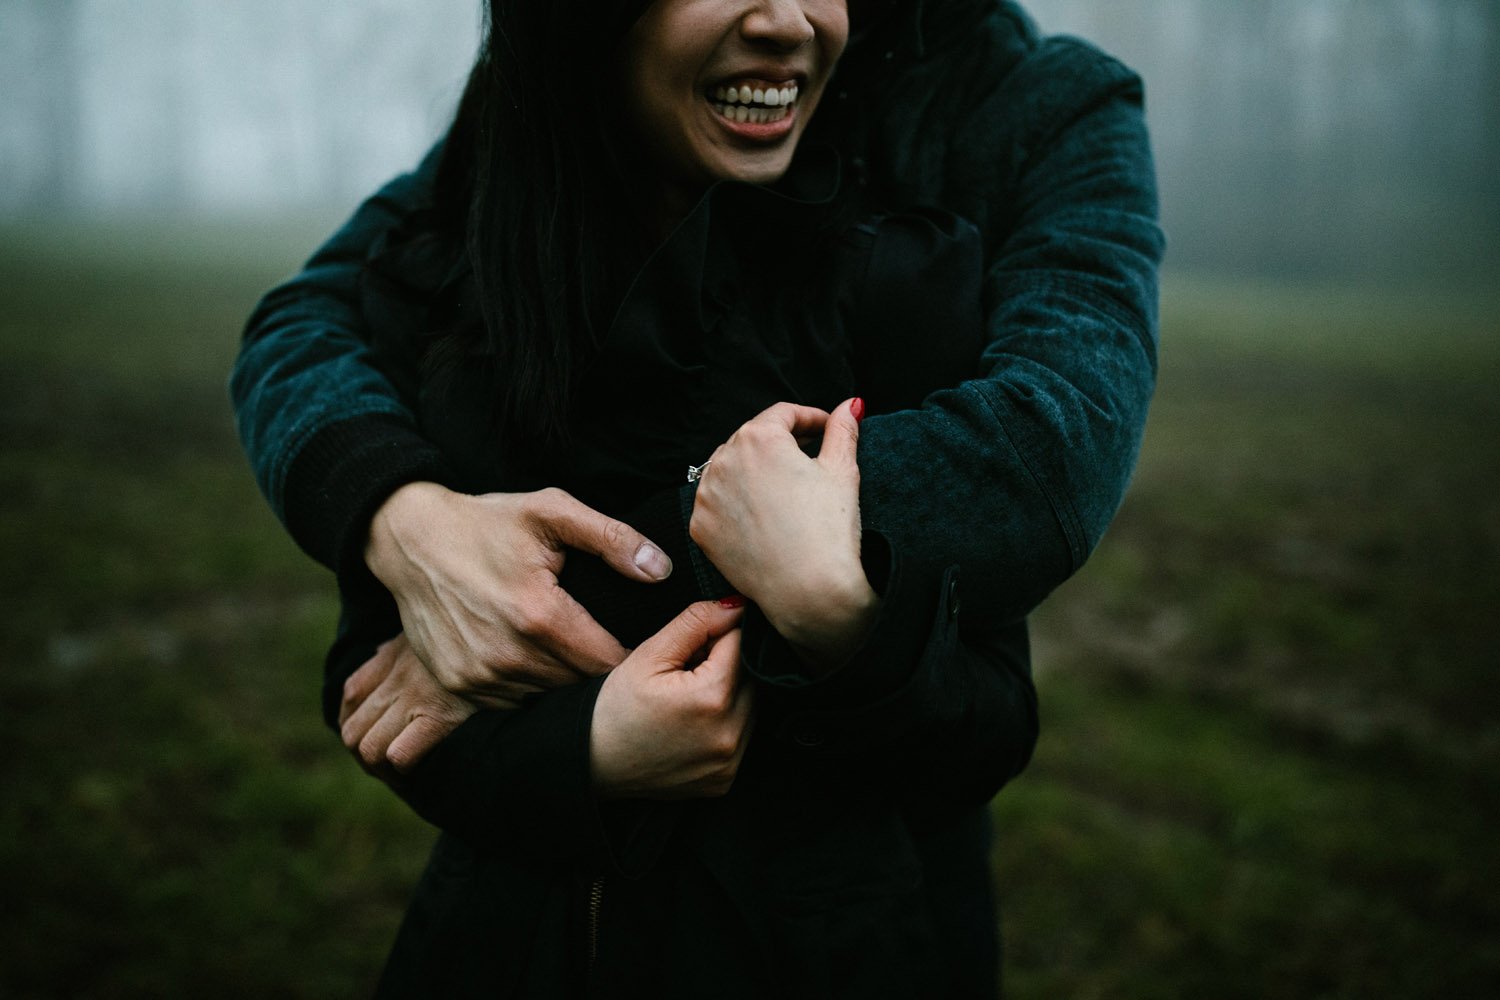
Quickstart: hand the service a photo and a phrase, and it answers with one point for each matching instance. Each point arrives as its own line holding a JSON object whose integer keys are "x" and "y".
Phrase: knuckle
{"x": 714, "y": 703}
{"x": 531, "y": 619}
{"x": 371, "y": 753}
{"x": 400, "y": 758}
{"x": 555, "y": 501}
{"x": 614, "y": 534}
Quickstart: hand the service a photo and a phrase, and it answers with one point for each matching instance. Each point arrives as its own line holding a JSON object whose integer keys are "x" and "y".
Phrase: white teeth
{"x": 754, "y": 116}
{"x": 770, "y": 105}
{"x": 744, "y": 94}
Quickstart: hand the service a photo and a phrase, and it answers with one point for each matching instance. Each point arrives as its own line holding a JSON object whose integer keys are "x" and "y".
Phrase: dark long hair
{"x": 535, "y": 188}
{"x": 541, "y": 188}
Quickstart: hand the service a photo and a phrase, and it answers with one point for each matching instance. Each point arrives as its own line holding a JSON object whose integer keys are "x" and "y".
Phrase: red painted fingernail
{"x": 732, "y": 601}
{"x": 858, "y": 409}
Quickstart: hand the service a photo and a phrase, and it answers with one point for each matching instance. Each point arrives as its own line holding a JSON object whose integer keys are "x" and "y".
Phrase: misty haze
{"x": 1295, "y": 137}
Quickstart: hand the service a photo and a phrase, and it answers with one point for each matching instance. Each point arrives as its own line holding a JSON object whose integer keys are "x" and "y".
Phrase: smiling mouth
{"x": 752, "y": 104}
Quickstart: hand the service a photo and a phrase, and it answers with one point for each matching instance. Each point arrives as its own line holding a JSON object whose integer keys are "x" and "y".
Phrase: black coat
{"x": 849, "y": 859}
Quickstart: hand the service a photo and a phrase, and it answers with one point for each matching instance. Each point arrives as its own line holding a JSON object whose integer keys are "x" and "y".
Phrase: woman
{"x": 848, "y": 856}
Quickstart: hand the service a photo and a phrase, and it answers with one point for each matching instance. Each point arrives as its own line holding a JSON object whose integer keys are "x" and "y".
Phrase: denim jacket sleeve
{"x": 1009, "y": 479}
{"x": 328, "y": 436}
{"x": 1015, "y": 474}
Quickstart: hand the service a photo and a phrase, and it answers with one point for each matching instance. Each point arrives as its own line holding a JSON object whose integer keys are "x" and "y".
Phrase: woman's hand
{"x": 673, "y": 720}
{"x": 784, "y": 528}
{"x": 394, "y": 710}
{"x": 475, "y": 579}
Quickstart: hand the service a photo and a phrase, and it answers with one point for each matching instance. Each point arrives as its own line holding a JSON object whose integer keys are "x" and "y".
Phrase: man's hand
{"x": 475, "y": 579}
{"x": 673, "y": 720}
{"x": 784, "y": 528}
{"x": 394, "y": 710}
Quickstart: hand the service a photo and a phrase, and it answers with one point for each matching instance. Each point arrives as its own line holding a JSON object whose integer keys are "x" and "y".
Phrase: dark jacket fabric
{"x": 850, "y": 858}
{"x": 823, "y": 853}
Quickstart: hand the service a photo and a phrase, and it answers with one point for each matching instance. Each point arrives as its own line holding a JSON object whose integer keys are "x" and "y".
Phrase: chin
{"x": 755, "y": 171}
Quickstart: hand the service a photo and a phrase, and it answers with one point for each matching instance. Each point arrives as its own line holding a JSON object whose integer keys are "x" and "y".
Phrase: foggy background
{"x": 1270, "y": 752}
{"x": 1295, "y": 137}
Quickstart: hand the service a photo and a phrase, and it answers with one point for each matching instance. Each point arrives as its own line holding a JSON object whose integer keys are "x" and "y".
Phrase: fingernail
{"x": 653, "y": 562}
{"x": 858, "y": 409}
{"x": 732, "y": 601}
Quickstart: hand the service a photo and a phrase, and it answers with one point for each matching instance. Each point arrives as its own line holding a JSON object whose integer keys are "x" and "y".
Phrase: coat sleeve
{"x": 1015, "y": 474}
{"x": 940, "y": 710}
{"x": 329, "y": 436}
{"x": 1009, "y": 479}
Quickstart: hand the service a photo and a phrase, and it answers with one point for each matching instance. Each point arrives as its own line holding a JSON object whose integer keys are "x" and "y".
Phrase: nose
{"x": 782, "y": 24}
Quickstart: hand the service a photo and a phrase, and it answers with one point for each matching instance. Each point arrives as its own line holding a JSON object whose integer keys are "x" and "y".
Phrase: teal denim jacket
{"x": 1009, "y": 477}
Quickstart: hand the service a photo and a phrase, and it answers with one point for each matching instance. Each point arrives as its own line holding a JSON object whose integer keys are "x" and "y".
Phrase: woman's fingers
{"x": 699, "y": 625}
{"x": 841, "y": 436}
{"x": 796, "y": 420}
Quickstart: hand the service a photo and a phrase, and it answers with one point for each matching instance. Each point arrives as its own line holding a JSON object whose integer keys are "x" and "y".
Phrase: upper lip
{"x": 767, "y": 72}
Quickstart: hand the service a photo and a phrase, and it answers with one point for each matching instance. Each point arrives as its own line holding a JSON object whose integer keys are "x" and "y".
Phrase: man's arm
{"x": 327, "y": 434}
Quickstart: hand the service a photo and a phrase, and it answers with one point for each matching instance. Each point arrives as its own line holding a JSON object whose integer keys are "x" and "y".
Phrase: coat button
{"x": 807, "y": 739}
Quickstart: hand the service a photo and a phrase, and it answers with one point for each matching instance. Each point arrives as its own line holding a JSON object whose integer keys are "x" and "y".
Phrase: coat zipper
{"x": 596, "y": 900}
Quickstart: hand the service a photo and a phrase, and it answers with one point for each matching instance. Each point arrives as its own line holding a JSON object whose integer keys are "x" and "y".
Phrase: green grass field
{"x": 1271, "y": 734}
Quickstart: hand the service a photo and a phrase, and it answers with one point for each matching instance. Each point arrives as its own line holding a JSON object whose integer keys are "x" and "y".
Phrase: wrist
{"x": 826, "y": 625}
{"x": 409, "y": 506}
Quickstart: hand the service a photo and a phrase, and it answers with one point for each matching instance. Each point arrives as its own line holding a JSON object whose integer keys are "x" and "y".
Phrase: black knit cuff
{"x": 711, "y": 583}
{"x": 342, "y": 476}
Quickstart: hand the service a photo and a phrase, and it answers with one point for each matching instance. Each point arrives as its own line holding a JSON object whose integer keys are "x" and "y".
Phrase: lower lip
{"x": 759, "y": 132}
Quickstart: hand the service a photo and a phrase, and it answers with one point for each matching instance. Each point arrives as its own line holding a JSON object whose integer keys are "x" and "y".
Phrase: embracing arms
{"x": 1012, "y": 475}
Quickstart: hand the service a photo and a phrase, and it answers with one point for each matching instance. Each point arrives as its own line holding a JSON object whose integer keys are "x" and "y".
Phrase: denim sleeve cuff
{"x": 885, "y": 660}
{"x": 342, "y": 476}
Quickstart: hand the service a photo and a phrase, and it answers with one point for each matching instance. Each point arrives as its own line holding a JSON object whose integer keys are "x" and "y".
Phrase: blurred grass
{"x": 1270, "y": 737}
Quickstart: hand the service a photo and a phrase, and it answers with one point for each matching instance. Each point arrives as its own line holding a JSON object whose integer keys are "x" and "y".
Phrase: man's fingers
{"x": 367, "y": 678}
{"x": 420, "y": 735}
{"x": 841, "y": 436}
{"x": 579, "y": 526}
{"x": 569, "y": 637}
{"x": 354, "y": 726}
